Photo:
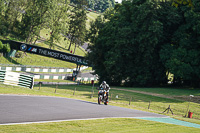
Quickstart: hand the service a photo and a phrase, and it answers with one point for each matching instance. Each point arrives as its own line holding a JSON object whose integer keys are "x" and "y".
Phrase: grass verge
{"x": 98, "y": 126}
{"x": 167, "y": 91}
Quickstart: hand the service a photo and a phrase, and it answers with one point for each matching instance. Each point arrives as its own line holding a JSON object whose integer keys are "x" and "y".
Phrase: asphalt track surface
{"x": 28, "y": 109}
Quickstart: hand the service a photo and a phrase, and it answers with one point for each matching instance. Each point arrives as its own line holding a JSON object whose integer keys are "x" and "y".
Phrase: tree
{"x": 58, "y": 20}
{"x": 181, "y": 57}
{"x": 6, "y": 48}
{"x": 34, "y": 18}
{"x": 128, "y": 46}
{"x": 106, "y": 53}
{"x": 109, "y": 13}
{"x": 24, "y": 19}
{"x": 95, "y": 26}
{"x": 72, "y": 29}
{"x": 10, "y": 13}
{"x": 77, "y": 27}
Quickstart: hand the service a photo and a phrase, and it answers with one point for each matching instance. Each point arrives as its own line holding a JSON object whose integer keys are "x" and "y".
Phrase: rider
{"x": 106, "y": 87}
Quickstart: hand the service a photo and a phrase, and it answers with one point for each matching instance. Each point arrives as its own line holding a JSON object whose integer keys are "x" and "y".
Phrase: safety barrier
{"x": 48, "y": 77}
{"x": 47, "y": 70}
{"x": 16, "y": 79}
{"x": 86, "y": 79}
{"x": 35, "y": 69}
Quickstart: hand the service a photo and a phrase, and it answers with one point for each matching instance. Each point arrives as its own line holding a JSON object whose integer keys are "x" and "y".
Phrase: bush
{"x": 6, "y": 48}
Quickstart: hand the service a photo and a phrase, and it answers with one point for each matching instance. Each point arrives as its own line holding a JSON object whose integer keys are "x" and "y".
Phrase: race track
{"x": 25, "y": 109}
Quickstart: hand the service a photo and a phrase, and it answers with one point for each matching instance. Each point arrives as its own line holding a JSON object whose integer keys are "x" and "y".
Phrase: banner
{"x": 80, "y": 60}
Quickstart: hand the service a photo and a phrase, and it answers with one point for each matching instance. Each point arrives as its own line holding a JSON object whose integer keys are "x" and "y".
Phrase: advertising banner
{"x": 48, "y": 52}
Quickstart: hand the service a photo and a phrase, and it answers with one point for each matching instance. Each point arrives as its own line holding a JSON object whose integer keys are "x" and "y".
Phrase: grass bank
{"x": 98, "y": 126}
{"x": 167, "y": 91}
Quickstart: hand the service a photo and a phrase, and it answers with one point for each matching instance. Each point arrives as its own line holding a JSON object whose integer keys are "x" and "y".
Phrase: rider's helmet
{"x": 104, "y": 82}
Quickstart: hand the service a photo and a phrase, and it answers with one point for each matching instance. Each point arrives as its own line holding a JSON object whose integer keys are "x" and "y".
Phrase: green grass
{"x": 37, "y": 60}
{"x": 91, "y": 17}
{"x": 61, "y": 45}
{"x": 157, "y": 104}
{"x": 122, "y": 125}
{"x": 168, "y": 91}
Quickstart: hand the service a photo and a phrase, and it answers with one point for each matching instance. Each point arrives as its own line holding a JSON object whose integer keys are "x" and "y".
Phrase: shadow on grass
{"x": 58, "y": 47}
{"x": 12, "y": 61}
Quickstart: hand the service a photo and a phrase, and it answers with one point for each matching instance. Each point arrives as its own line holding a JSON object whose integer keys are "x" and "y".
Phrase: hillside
{"x": 62, "y": 45}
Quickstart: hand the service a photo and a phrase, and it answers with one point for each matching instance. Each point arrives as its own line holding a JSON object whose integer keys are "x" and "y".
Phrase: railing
{"x": 36, "y": 69}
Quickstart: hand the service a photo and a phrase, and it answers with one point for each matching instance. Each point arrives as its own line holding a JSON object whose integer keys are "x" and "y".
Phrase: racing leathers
{"x": 106, "y": 87}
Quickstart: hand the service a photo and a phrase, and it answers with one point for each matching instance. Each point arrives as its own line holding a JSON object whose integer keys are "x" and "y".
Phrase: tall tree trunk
{"x": 74, "y": 49}
{"x": 29, "y": 34}
{"x": 37, "y": 35}
{"x": 70, "y": 45}
{"x": 36, "y": 40}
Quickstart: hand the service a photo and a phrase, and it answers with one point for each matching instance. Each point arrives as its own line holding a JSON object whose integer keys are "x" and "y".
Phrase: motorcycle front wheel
{"x": 99, "y": 100}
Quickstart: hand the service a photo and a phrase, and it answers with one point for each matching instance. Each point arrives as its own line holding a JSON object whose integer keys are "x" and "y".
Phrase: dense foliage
{"x": 145, "y": 41}
{"x": 4, "y": 48}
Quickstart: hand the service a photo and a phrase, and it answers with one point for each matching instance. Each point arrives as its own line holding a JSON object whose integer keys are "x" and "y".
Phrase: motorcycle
{"x": 102, "y": 96}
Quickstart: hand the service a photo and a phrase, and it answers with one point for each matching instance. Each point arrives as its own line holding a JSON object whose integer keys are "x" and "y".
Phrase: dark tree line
{"x": 144, "y": 41}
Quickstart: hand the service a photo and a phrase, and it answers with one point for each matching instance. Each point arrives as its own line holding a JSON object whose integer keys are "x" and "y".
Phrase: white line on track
{"x": 38, "y": 122}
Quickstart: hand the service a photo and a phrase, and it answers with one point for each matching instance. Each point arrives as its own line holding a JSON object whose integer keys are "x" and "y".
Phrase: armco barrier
{"x": 47, "y": 70}
{"x": 86, "y": 79}
{"x": 16, "y": 79}
{"x": 49, "y": 77}
{"x": 37, "y": 69}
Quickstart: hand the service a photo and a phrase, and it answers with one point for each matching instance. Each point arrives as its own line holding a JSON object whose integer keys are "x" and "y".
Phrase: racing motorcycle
{"x": 102, "y": 97}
